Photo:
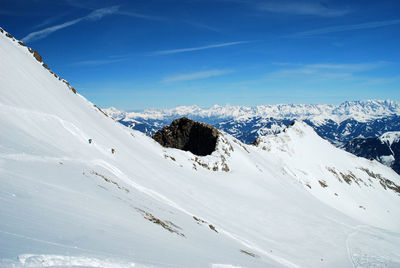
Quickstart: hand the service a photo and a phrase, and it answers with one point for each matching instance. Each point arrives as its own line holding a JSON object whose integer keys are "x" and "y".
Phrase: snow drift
{"x": 292, "y": 201}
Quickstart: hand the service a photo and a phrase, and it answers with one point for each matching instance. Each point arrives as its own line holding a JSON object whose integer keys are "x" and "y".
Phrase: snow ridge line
{"x": 118, "y": 173}
{"x": 250, "y": 245}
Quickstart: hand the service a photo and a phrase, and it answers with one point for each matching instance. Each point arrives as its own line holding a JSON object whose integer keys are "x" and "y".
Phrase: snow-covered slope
{"x": 66, "y": 202}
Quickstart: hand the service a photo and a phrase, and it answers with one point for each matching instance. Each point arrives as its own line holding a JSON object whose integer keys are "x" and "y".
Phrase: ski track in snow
{"x": 22, "y": 258}
{"x": 44, "y": 117}
{"x": 123, "y": 177}
{"x": 348, "y": 247}
{"x": 69, "y": 126}
{"x": 250, "y": 245}
{"x": 118, "y": 173}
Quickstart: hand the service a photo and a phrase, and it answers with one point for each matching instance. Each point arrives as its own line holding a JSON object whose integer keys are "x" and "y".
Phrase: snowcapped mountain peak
{"x": 300, "y": 128}
{"x": 390, "y": 137}
{"x": 359, "y": 110}
{"x": 367, "y": 109}
{"x": 298, "y": 202}
{"x": 296, "y": 132}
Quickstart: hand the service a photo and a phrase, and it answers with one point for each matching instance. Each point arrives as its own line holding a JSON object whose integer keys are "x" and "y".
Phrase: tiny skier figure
{"x": 112, "y": 150}
{"x": 90, "y": 141}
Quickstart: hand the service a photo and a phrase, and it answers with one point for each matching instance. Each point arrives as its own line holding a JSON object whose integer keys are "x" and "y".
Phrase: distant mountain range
{"x": 340, "y": 124}
{"x": 336, "y": 123}
{"x": 80, "y": 190}
{"x": 385, "y": 149}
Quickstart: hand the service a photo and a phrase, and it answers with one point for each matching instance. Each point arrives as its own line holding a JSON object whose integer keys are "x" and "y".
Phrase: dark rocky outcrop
{"x": 35, "y": 54}
{"x": 188, "y": 135}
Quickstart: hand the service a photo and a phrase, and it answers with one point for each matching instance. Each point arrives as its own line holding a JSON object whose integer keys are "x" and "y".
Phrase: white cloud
{"x": 344, "y": 28}
{"x": 139, "y": 15}
{"x": 302, "y": 8}
{"x": 99, "y": 13}
{"x": 98, "y": 62}
{"x": 94, "y": 15}
{"x": 195, "y": 76}
{"x": 203, "y": 26}
{"x": 182, "y": 50}
{"x": 323, "y": 71}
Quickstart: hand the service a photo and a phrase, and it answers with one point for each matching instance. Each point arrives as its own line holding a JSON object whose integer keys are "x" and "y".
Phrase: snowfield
{"x": 294, "y": 200}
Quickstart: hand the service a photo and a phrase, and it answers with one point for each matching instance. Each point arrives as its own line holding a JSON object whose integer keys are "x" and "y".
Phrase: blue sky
{"x": 164, "y": 53}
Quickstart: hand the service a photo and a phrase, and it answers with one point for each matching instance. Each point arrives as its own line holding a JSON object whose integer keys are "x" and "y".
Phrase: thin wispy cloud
{"x": 203, "y": 26}
{"x": 344, "y": 28}
{"x": 139, "y": 15}
{"x": 371, "y": 81}
{"x": 324, "y": 71}
{"x": 318, "y": 68}
{"x": 91, "y": 5}
{"x": 94, "y": 15}
{"x": 182, "y": 50}
{"x": 354, "y": 67}
{"x": 98, "y": 62}
{"x": 50, "y": 20}
{"x": 302, "y": 8}
{"x": 195, "y": 76}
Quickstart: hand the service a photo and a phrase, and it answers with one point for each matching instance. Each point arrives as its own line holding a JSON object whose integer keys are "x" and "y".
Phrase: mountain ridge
{"x": 338, "y": 124}
{"x": 362, "y": 110}
{"x": 69, "y": 199}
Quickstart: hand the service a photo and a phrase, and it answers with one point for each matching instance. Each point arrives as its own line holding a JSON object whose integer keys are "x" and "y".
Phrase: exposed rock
{"x": 73, "y": 89}
{"x": 256, "y": 142}
{"x": 38, "y": 57}
{"x": 188, "y": 135}
{"x": 248, "y": 252}
{"x": 35, "y": 54}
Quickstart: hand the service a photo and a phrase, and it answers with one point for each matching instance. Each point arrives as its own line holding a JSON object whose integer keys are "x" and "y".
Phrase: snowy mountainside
{"x": 65, "y": 201}
{"x": 385, "y": 149}
{"x": 390, "y": 137}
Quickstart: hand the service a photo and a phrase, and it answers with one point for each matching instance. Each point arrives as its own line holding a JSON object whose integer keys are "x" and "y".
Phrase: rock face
{"x": 188, "y": 135}
{"x": 383, "y": 150}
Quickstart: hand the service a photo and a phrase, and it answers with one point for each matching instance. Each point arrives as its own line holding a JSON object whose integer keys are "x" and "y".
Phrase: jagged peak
{"x": 362, "y": 110}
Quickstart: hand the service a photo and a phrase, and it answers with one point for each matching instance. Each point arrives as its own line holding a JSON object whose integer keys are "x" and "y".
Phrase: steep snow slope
{"x": 334, "y": 176}
{"x": 67, "y": 202}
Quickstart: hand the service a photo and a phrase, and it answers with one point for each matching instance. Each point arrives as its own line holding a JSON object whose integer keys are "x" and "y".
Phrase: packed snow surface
{"x": 293, "y": 200}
